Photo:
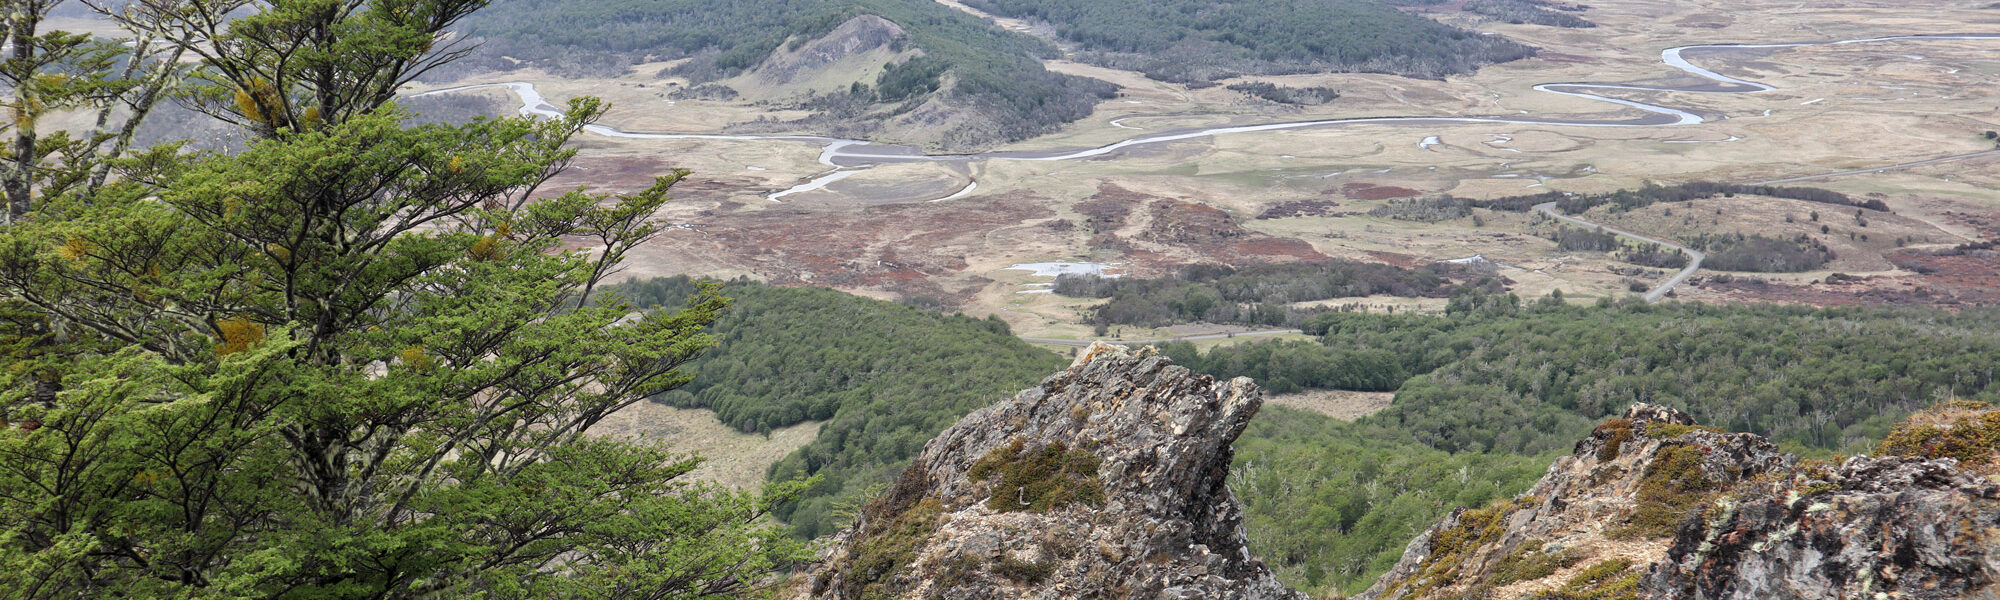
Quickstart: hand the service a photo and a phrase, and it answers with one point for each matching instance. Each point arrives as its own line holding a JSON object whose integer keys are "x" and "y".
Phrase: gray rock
{"x": 1166, "y": 526}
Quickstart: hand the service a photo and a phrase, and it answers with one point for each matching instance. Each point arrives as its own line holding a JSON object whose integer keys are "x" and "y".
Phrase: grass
{"x": 1608, "y": 580}
{"x": 1672, "y": 488}
{"x": 1963, "y": 430}
{"x": 1528, "y": 563}
{"x": 1451, "y": 547}
{"x": 1619, "y": 432}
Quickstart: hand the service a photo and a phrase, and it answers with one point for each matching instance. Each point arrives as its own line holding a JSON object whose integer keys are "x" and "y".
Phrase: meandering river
{"x": 847, "y": 157}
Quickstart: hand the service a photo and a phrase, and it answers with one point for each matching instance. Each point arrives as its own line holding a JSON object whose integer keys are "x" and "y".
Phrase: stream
{"x": 849, "y": 157}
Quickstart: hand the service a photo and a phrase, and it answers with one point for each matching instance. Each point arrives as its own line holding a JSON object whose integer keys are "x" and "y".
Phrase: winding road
{"x": 1694, "y": 256}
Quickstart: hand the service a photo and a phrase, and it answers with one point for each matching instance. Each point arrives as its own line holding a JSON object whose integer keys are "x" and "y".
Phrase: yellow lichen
{"x": 417, "y": 359}
{"x": 75, "y": 249}
{"x": 487, "y": 249}
{"x": 238, "y": 333}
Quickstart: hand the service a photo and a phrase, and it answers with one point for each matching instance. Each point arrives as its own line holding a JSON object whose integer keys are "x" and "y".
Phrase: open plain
{"x": 947, "y": 230}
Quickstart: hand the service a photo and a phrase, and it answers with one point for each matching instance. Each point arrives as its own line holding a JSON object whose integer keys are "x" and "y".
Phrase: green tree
{"x": 355, "y": 360}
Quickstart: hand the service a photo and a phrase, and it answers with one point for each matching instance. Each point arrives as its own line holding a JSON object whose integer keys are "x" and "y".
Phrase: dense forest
{"x": 1498, "y": 374}
{"x": 972, "y": 63}
{"x": 1205, "y": 40}
{"x": 1330, "y": 505}
{"x": 885, "y": 377}
{"x": 1261, "y": 295}
{"x": 1526, "y": 12}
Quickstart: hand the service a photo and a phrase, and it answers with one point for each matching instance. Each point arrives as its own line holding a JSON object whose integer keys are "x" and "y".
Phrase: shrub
{"x": 1042, "y": 480}
{"x": 1964, "y": 430}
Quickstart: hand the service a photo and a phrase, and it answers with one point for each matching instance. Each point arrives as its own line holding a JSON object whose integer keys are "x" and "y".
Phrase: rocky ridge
{"x": 1652, "y": 506}
{"x": 1105, "y": 481}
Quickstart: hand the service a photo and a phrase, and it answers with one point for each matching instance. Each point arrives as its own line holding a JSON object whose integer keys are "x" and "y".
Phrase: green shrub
{"x": 1041, "y": 480}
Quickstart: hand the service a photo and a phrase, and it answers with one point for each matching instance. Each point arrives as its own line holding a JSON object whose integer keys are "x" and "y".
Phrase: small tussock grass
{"x": 1039, "y": 481}
{"x": 1451, "y": 547}
{"x": 1672, "y": 489}
{"x": 1617, "y": 432}
{"x": 1961, "y": 429}
{"x": 1529, "y": 562}
{"x": 1613, "y": 579}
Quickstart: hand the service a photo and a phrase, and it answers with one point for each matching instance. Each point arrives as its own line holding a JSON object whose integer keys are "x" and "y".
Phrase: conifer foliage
{"x": 356, "y": 359}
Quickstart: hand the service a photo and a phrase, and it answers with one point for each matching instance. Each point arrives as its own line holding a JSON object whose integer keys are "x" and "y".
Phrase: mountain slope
{"x": 939, "y": 77}
{"x": 1105, "y": 481}
{"x": 1206, "y": 40}
{"x": 1652, "y": 506}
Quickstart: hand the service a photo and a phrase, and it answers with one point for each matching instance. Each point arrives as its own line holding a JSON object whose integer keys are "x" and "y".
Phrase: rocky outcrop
{"x": 1612, "y": 501}
{"x": 1890, "y": 527}
{"x": 1652, "y": 506}
{"x": 1105, "y": 481}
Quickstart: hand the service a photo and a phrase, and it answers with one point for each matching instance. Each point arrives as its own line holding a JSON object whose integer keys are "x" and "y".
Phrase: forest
{"x": 972, "y": 63}
{"x": 1261, "y": 295}
{"x": 1190, "y": 41}
{"x": 1526, "y": 12}
{"x": 885, "y": 377}
{"x": 1305, "y": 96}
{"x": 1486, "y": 395}
{"x": 1651, "y": 193}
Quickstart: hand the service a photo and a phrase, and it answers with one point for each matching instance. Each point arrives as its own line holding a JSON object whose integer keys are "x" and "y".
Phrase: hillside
{"x": 884, "y": 377}
{"x": 1206, "y": 40}
{"x": 1651, "y": 505}
{"x": 909, "y": 70}
{"x": 1107, "y": 480}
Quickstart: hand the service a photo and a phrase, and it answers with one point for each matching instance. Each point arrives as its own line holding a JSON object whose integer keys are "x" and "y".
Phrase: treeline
{"x": 1425, "y": 210}
{"x": 1651, "y": 193}
{"x": 1578, "y": 239}
{"x": 1532, "y": 377}
{"x": 1283, "y": 367}
{"x": 1260, "y": 295}
{"x": 1526, "y": 12}
{"x": 1204, "y": 40}
{"x": 971, "y": 62}
{"x": 1759, "y": 254}
{"x": 885, "y": 378}
{"x": 1306, "y": 96}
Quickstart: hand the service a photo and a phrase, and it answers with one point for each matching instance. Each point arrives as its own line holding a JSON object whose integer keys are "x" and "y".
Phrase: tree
{"x": 355, "y": 360}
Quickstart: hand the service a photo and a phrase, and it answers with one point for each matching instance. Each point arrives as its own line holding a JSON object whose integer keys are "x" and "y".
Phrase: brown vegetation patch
{"x": 1368, "y": 191}
{"x": 1107, "y": 209}
{"x": 1214, "y": 235}
{"x": 901, "y": 248}
{"x": 1401, "y": 260}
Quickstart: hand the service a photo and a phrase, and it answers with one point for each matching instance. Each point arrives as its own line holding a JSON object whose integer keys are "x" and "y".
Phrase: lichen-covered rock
{"x": 1652, "y": 506}
{"x": 1890, "y": 527}
{"x": 1617, "y": 497}
{"x": 1105, "y": 481}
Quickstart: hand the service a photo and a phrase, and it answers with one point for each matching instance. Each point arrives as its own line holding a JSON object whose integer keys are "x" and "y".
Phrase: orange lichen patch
{"x": 239, "y": 333}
